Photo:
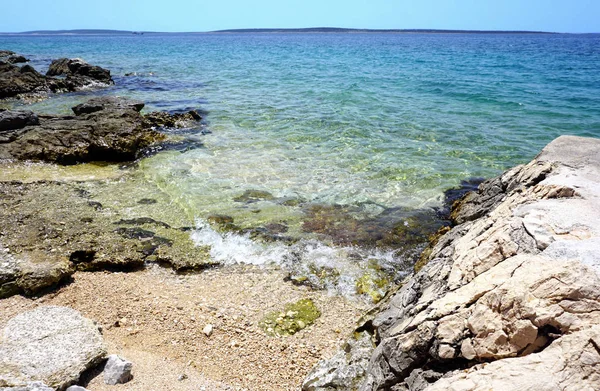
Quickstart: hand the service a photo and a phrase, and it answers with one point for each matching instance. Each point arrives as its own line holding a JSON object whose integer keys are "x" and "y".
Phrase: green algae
{"x": 253, "y": 196}
{"x": 294, "y": 317}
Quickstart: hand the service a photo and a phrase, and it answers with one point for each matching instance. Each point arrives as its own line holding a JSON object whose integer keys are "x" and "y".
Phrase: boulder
{"x": 509, "y": 298}
{"x": 15, "y": 81}
{"x": 12, "y": 57}
{"x": 76, "y": 67}
{"x": 106, "y": 129}
{"x": 117, "y": 370}
{"x": 23, "y": 81}
{"x": 49, "y": 344}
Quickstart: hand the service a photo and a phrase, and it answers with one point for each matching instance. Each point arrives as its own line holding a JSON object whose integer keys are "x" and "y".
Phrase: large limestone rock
{"x": 515, "y": 283}
{"x": 76, "y": 69}
{"x": 53, "y": 345}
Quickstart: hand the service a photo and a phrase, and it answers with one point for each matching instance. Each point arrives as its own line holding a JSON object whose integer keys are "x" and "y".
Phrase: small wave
{"x": 350, "y": 271}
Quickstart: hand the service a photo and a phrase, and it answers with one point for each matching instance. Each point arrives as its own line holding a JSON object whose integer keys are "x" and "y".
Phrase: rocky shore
{"x": 508, "y": 299}
{"x": 97, "y": 268}
{"x": 63, "y": 75}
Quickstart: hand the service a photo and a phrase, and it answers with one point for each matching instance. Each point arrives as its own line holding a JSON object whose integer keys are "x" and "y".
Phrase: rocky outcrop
{"x": 48, "y": 347}
{"x": 12, "y": 57}
{"x": 49, "y": 230}
{"x": 509, "y": 298}
{"x": 78, "y": 72}
{"x": 105, "y": 129}
{"x": 18, "y": 81}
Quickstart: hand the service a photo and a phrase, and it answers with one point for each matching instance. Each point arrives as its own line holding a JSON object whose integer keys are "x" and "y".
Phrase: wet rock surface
{"x": 48, "y": 348}
{"x": 62, "y": 229}
{"x": 104, "y": 129}
{"x": 75, "y": 75}
{"x": 516, "y": 278}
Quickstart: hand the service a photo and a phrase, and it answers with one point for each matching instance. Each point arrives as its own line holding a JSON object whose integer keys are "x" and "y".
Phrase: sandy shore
{"x": 155, "y": 318}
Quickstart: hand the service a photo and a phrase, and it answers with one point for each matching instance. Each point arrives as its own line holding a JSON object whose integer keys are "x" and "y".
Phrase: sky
{"x": 199, "y": 15}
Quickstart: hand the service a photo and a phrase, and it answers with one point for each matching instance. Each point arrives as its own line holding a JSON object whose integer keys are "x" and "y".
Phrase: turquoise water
{"x": 366, "y": 121}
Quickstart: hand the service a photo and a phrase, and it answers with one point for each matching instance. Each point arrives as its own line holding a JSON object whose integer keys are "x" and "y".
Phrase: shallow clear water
{"x": 374, "y": 121}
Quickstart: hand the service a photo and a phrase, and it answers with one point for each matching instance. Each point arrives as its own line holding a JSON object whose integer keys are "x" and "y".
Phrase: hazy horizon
{"x": 574, "y": 16}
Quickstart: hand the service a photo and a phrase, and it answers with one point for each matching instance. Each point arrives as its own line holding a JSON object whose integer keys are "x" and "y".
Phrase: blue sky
{"x": 199, "y": 15}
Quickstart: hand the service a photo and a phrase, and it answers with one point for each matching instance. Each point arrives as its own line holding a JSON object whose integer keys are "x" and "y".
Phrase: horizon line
{"x": 276, "y": 30}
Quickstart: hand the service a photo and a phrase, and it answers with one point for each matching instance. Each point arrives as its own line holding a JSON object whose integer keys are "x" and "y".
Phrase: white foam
{"x": 345, "y": 264}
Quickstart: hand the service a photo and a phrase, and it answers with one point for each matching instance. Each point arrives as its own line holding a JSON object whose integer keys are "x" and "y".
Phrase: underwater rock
{"x": 507, "y": 299}
{"x": 250, "y": 196}
{"x": 161, "y": 119}
{"x": 107, "y": 103}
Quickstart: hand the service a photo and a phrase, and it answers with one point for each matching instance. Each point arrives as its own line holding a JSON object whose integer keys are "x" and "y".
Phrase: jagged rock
{"x": 113, "y": 132}
{"x": 49, "y": 344}
{"x": 117, "y": 370}
{"x": 343, "y": 370}
{"x": 518, "y": 278}
{"x": 12, "y": 57}
{"x": 76, "y": 67}
{"x": 22, "y": 81}
{"x": 11, "y": 120}
{"x": 15, "y": 80}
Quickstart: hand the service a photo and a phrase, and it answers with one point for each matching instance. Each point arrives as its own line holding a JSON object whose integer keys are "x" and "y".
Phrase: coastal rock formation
{"x": 78, "y": 71}
{"x": 112, "y": 131}
{"x": 48, "y": 348}
{"x": 509, "y": 298}
{"x": 12, "y": 57}
{"x": 49, "y": 230}
{"x": 18, "y": 81}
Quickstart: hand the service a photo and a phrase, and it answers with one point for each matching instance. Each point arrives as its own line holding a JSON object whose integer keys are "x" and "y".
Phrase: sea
{"x": 318, "y": 145}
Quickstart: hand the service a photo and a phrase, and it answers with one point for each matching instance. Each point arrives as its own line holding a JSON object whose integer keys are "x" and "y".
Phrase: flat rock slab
{"x": 50, "y": 344}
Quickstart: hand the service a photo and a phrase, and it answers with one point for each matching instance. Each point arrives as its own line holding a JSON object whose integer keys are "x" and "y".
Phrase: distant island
{"x": 274, "y": 30}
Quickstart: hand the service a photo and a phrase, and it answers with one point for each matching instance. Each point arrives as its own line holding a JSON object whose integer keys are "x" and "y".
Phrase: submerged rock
{"x": 53, "y": 345}
{"x": 161, "y": 119}
{"x": 514, "y": 279}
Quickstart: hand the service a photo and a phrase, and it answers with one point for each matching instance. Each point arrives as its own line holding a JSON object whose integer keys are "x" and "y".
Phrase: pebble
{"x": 208, "y": 330}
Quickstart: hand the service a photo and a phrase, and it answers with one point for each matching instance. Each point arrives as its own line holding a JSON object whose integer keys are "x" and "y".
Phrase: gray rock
{"x": 77, "y": 388}
{"x": 117, "y": 370}
{"x": 107, "y": 102}
{"x": 33, "y": 386}
{"x": 11, "y": 120}
{"x": 49, "y": 344}
{"x": 512, "y": 292}
{"x": 78, "y": 68}
{"x": 113, "y": 130}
